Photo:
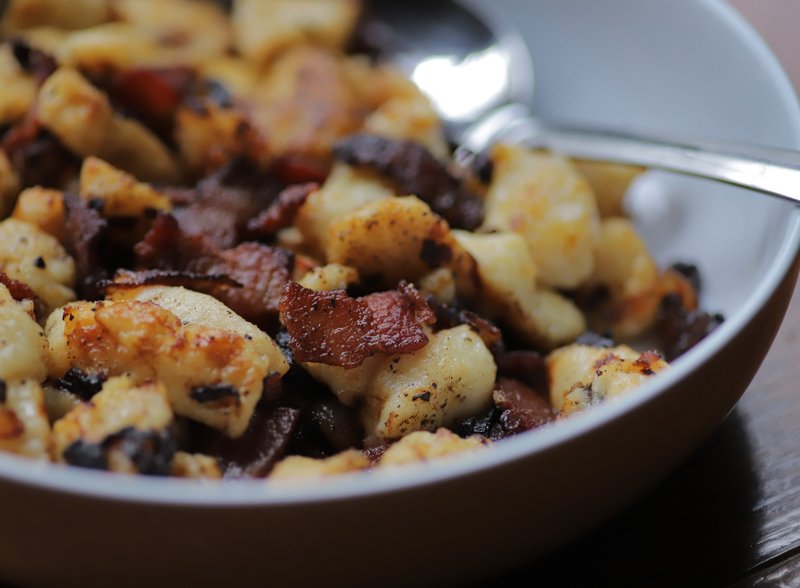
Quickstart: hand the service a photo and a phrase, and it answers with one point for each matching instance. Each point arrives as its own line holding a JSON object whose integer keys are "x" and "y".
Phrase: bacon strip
{"x": 20, "y": 291}
{"x": 281, "y": 213}
{"x": 261, "y": 271}
{"x": 334, "y": 329}
{"x": 126, "y": 280}
{"x": 222, "y": 204}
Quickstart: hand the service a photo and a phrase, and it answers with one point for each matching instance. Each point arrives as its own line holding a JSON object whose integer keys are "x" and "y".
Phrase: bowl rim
{"x": 248, "y": 493}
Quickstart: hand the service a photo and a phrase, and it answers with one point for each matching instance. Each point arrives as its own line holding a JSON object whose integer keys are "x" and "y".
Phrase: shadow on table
{"x": 696, "y": 528}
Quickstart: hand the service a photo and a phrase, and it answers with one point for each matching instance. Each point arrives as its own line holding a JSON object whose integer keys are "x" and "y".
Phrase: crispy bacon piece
{"x": 448, "y": 317}
{"x": 517, "y": 408}
{"x": 524, "y": 365}
{"x": 126, "y": 279}
{"x": 222, "y": 204}
{"x": 334, "y": 329}
{"x": 297, "y": 169}
{"x": 21, "y": 291}
{"x": 86, "y": 240}
{"x": 415, "y": 171}
{"x": 149, "y": 94}
{"x": 261, "y": 271}
{"x": 522, "y": 407}
{"x": 37, "y": 155}
{"x": 281, "y": 213}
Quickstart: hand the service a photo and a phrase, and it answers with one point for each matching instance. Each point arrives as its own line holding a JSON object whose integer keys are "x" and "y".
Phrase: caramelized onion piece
{"x": 522, "y": 407}
{"x": 415, "y": 171}
{"x": 334, "y": 329}
{"x": 261, "y": 446}
{"x": 681, "y": 328}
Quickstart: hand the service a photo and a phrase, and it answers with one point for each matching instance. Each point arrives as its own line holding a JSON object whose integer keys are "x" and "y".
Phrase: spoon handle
{"x": 773, "y": 171}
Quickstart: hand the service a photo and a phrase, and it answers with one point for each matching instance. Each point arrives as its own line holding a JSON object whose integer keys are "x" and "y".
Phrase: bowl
{"x": 644, "y": 66}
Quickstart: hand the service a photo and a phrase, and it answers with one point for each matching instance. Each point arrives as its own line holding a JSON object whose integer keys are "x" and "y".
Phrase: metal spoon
{"x": 475, "y": 68}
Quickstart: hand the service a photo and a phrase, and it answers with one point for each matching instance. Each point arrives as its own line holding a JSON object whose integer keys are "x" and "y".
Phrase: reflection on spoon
{"x": 451, "y": 84}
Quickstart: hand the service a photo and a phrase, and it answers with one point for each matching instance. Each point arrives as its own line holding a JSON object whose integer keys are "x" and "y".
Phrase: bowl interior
{"x": 639, "y": 66}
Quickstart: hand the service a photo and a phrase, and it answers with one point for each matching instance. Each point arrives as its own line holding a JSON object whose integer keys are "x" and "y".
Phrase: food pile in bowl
{"x": 238, "y": 244}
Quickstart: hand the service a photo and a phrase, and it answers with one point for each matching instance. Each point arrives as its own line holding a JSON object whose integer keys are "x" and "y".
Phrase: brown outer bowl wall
{"x": 457, "y": 530}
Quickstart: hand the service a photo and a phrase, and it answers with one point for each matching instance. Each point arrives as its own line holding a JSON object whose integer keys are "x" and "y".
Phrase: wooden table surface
{"x": 731, "y": 515}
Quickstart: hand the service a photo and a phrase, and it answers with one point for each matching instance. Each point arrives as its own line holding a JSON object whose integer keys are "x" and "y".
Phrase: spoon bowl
{"x": 468, "y": 60}
{"x": 474, "y": 66}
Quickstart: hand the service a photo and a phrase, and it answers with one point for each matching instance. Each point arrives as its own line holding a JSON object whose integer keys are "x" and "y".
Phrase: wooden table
{"x": 728, "y": 517}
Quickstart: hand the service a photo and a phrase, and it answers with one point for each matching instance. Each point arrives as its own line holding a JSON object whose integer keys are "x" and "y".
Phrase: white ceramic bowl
{"x": 692, "y": 67}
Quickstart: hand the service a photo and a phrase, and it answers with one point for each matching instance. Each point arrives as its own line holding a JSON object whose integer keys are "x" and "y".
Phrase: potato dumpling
{"x": 263, "y": 28}
{"x": 212, "y": 361}
{"x": 75, "y": 14}
{"x": 424, "y": 446}
{"x": 306, "y": 102}
{"x": 297, "y": 467}
{"x": 19, "y": 88}
{"x": 109, "y": 46}
{"x": 195, "y": 466}
{"x": 609, "y": 182}
{"x": 81, "y": 117}
{"x": 410, "y": 118}
{"x": 24, "y": 428}
{"x": 628, "y": 275}
{"x": 119, "y": 407}
{"x": 330, "y": 277}
{"x": 210, "y": 137}
{"x": 236, "y": 74}
{"x": 509, "y": 290}
{"x": 395, "y": 239}
{"x": 37, "y": 259}
{"x": 23, "y": 348}
{"x": 346, "y": 190}
{"x": 43, "y": 208}
{"x": 582, "y": 376}
{"x": 441, "y": 284}
{"x": 543, "y": 198}
{"x": 119, "y": 194}
{"x": 9, "y": 185}
{"x": 187, "y": 31}
{"x": 450, "y": 378}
